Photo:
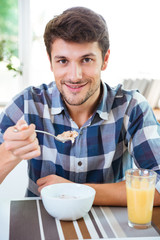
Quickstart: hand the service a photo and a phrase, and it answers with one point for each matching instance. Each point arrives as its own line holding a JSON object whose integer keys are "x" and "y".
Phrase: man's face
{"x": 77, "y": 70}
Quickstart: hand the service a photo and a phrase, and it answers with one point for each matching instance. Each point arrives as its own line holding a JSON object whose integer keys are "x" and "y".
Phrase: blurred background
{"x": 134, "y": 29}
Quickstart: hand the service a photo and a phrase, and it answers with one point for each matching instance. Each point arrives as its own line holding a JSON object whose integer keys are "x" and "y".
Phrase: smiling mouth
{"x": 75, "y": 86}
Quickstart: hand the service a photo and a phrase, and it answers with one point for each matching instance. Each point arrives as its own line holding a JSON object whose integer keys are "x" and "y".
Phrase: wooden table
{"x": 27, "y": 219}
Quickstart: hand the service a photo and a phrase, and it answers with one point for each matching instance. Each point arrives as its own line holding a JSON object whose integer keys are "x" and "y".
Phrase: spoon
{"x": 58, "y": 138}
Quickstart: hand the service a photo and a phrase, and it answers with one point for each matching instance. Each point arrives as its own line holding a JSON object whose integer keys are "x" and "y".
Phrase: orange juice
{"x": 140, "y": 203}
{"x": 140, "y": 188}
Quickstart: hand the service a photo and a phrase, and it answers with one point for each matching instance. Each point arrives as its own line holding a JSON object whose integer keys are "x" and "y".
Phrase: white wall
{"x": 134, "y": 37}
{"x": 14, "y": 185}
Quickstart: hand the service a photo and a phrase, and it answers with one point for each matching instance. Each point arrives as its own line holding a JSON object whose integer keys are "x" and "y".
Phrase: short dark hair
{"x": 77, "y": 24}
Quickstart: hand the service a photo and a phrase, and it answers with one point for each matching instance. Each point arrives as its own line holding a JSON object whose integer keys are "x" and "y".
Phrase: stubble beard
{"x": 72, "y": 101}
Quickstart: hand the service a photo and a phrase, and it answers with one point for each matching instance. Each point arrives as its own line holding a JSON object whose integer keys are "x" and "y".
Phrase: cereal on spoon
{"x": 70, "y": 135}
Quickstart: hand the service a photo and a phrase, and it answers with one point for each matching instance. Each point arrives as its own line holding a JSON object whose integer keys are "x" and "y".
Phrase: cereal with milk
{"x": 68, "y": 135}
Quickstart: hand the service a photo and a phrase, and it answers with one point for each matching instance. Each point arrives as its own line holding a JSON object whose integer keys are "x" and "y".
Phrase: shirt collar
{"x": 109, "y": 94}
{"x": 57, "y": 102}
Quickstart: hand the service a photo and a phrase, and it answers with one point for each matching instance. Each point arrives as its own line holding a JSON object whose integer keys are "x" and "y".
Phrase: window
{"x": 9, "y": 49}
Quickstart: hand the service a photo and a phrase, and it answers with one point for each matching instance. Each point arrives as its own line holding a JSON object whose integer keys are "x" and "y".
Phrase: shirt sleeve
{"x": 11, "y": 114}
{"x": 143, "y": 136}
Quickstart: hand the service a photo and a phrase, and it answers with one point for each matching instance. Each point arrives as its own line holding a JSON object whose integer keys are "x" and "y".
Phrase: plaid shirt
{"x": 123, "y": 128}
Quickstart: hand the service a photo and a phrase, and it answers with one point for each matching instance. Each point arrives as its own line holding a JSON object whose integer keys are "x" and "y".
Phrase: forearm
{"x": 110, "y": 194}
{"x": 157, "y": 198}
{"x": 7, "y": 162}
{"x": 18, "y": 145}
{"x": 114, "y": 194}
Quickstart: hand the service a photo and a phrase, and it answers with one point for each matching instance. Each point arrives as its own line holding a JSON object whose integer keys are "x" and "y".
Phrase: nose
{"x": 75, "y": 72}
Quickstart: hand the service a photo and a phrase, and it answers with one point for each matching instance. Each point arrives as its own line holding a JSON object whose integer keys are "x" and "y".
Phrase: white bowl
{"x": 67, "y": 201}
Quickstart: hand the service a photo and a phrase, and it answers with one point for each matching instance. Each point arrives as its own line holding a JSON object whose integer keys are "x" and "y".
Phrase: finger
{"x": 11, "y": 145}
{"x": 26, "y": 133}
{"x": 44, "y": 185}
{"x": 21, "y": 125}
{"x": 32, "y": 154}
{"x": 11, "y": 135}
{"x": 27, "y": 148}
{"x": 40, "y": 188}
{"x": 41, "y": 181}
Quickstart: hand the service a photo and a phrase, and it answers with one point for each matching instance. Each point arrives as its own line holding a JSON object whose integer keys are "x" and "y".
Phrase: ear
{"x": 105, "y": 63}
{"x": 50, "y": 62}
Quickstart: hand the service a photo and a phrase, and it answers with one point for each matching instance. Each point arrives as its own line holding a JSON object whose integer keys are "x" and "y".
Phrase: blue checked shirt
{"x": 122, "y": 129}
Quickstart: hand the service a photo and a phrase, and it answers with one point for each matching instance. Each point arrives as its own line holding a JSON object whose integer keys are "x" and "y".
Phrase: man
{"x": 114, "y": 126}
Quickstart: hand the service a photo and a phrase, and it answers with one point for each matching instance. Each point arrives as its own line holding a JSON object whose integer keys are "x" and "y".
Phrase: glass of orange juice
{"x": 140, "y": 188}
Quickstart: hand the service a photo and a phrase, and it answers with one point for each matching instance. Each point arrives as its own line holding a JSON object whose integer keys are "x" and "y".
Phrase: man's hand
{"x": 23, "y": 143}
{"x": 50, "y": 179}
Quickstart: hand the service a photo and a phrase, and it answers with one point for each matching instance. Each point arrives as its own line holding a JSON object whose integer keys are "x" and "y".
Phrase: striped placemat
{"x": 29, "y": 220}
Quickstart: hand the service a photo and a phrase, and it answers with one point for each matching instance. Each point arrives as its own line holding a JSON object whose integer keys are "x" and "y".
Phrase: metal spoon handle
{"x": 50, "y": 134}
{"x": 57, "y": 138}
{"x": 40, "y": 131}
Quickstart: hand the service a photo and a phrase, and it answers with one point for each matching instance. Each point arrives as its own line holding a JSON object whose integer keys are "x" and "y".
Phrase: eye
{"x": 63, "y": 61}
{"x": 87, "y": 60}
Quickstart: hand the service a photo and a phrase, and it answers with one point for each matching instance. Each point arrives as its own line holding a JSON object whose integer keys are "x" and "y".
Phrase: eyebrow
{"x": 89, "y": 55}
{"x": 59, "y": 57}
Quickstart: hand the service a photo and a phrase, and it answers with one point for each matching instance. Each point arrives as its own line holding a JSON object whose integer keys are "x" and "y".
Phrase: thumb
{"x": 21, "y": 125}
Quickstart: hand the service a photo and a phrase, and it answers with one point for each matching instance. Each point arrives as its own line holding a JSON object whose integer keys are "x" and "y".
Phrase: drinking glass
{"x": 140, "y": 188}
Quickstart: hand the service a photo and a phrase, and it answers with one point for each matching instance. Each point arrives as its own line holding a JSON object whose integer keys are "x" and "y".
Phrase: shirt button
{"x": 79, "y": 163}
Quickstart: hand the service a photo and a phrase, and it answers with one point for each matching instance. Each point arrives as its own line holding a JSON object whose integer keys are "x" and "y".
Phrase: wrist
{"x": 7, "y": 162}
